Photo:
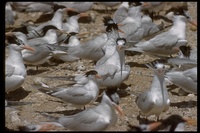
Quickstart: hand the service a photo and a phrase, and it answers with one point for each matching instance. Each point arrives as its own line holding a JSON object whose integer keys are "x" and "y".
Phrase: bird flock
{"x": 128, "y": 29}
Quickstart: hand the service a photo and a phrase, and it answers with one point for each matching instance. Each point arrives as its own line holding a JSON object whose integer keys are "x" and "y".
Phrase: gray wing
{"x": 107, "y": 70}
{"x": 76, "y": 95}
{"x": 87, "y": 120}
{"x": 166, "y": 40}
{"x": 120, "y": 14}
{"x": 144, "y": 102}
{"x": 191, "y": 73}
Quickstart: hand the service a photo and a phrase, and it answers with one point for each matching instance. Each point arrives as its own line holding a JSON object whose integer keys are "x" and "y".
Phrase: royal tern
{"x": 72, "y": 41}
{"x": 186, "y": 79}
{"x": 171, "y": 123}
{"x": 132, "y": 24}
{"x": 98, "y": 118}
{"x": 9, "y": 14}
{"x": 54, "y": 23}
{"x": 112, "y": 65}
{"x": 93, "y": 49}
{"x": 15, "y": 73}
{"x": 43, "y": 47}
{"x": 121, "y": 13}
{"x": 79, "y": 6}
{"x": 186, "y": 59}
{"x": 166, "y": 43}
{"x": 155, "y": 100}
{"x": 84, "y": 91}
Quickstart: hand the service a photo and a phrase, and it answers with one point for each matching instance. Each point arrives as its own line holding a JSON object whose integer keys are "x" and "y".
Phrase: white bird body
{"x": 132, "y": 25}
{"x": 166, "y": 43}
{"x": 121, "y": 13}
{"x": 98, "y": 118}
{"x": 156, "y": 99}
{"x": 112, "y": 65}
{"x": 15, "y": 69}
{"x": 79, "y": 6}
{"x": 84, "y": 91}
{"x": 187, "y": 79}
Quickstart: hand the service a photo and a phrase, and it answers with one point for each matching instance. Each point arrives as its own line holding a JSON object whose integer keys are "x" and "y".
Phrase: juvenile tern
{"x": 155, "y": 100}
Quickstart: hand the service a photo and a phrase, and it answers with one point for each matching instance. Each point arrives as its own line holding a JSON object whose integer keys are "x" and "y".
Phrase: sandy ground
{"x": 138, "y": 81}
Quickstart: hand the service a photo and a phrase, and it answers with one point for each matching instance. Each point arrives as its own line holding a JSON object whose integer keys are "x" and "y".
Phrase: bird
{"x": 84, "y": 91}
{"x": 186, "y": 79}
{"x": 173, "y": 122}
{"x": 40, "y": 127}
{"x": 97, "y": 118}
{"x": 166, "y": 43}
{"x": 112, "y": 66}
{"x": 79, "y": 6}
{"x": 186, "y": 59}
{"x": 54, "y": 23}
{"x": 15, "y": 71}
{"x": 9, "y": 14}
{"x": 72, "y": 41}
{"x": 33, "y": 6}
{"x": 72, "y": 24}
{"x": 121, "y": 13}
{"x": 45, "y": 47}
{"x": 155, "y": 100}
{"x": 92, "y": 49}
{"x": 132, "y": 24}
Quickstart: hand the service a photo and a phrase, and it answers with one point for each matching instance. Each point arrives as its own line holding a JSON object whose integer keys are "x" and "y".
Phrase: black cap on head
{"x": 91, "y": 72}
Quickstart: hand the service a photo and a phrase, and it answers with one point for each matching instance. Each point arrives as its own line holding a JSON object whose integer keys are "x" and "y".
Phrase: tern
{"x": 98, "y": 118}
{"x": 9, "y": 14}
{"x": 121, "y": 13}
{"x": 79, "y": 6}
{"x": 45, "y": 47}
{"x": 166, "y": 43}
{"x": 155, "y": 100}
{"x": 186, "y": 79}
{"x": 93, "y": 49}
{"x": 186, "y": 59}
{"x": 112, "y": 66}
{"x": 15, "y": 73}
{"x": 171, "y": 123}
{"x": 84, "y": 91}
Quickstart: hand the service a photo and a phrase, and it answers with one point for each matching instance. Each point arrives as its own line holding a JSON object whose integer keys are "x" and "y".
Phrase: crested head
{"x": 91, "y": 72}
{"x": 157, "y": 67}
{"x": 107, "y": 20}
{"x": 121, "y": 41}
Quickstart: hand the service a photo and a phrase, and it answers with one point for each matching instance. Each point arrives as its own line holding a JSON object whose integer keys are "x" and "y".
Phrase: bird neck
{"x": 15, "y": 56}
{"x": 158, "y": 82}
{"x": 178, "y": 28}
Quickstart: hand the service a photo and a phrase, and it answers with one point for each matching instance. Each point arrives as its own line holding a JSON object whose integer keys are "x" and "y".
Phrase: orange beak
{"x": 72, "y": 9}
{"x": 154, "y": 125}
{"x": 119, "y": 110}
{"x": 121, "y": 31}
{"x": 28, "y": 48}
{"x": 193, "y": 23}
{"x": 83, "y": 15}
{"x": 97, "y": 76}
